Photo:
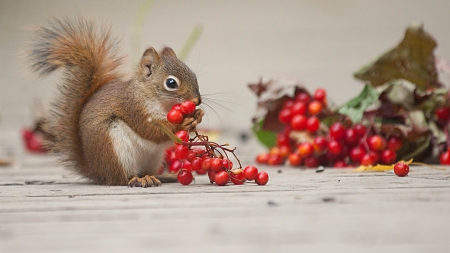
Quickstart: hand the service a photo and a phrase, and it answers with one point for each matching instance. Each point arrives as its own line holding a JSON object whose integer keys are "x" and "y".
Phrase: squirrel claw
{"x": 146, "y": 181}
{"x": 192, "y": 121}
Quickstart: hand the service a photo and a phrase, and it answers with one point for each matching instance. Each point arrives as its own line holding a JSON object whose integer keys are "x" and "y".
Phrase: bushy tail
{"x": 89, "y": 58}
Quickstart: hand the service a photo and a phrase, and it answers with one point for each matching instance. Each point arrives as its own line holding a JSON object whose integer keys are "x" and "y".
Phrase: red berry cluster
{"x": 203, "y": 156}
{"x": 442, "y": 115}
{"x": 340, "y": 147}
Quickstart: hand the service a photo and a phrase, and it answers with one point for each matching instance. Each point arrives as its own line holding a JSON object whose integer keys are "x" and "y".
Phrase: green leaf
{"x": 267, "y": 138}
{"x": 412, "y": 60}
{"x": 355, "y": 108}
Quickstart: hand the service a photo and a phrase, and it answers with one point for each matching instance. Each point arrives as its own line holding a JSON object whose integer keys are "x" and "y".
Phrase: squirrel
{"x": 101, "y": 122}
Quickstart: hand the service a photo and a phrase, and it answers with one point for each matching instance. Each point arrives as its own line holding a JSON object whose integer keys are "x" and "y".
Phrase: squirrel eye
{"x": 171, "y": 83}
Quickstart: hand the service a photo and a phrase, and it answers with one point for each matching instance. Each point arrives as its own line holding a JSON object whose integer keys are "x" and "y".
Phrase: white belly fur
{"x": 136, "y": 154}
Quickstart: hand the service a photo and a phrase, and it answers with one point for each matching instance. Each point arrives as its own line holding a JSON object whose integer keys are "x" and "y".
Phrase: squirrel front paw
{"x": 191, "y": 121}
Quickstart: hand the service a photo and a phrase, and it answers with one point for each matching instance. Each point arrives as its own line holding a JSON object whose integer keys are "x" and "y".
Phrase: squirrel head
{"x": 165, "y": 77}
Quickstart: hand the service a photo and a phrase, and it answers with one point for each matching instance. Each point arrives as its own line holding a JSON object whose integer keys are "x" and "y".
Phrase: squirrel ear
{"x": 168, "y": 52}
{"x": 149, "y": 58}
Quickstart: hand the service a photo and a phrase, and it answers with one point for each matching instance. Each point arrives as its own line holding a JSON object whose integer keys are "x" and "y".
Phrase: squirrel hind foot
{"x": 145, "y": 181}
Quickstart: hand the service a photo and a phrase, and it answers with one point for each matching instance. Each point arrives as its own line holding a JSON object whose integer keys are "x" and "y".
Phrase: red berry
{"x": 444, "y": 158}
{"x": 262, "y": 178}
{"x": 175, "y": 166}
{"x": 295, "y": 159}
{"x": 206, "y": 164}
{"x": 237, "y": 178}
{"x": 185, "y": 177}
{"x": 201, "y": 172}
{"x": 320, "y": 145}
{"x": 335, "y": 147}
{"x": 314, "y": 107}
{"x": 377, "y": 143}
{"x": 367, "y": 160}
{"x": 312, "y": 162}
{"x": 216, "y": 165}
{"x": 211, "y": 175}
{"x": 183, "y": 135}
{"x": 302, "y": 97}
{"x": 351, "y": 138}
{"x": 181, "y": 152}
{"x": 196, "y": 164}
{"x": 340, "y": 164}
{"x": 186, "y": 165}
{"x": 312, "y": 124}
{"x": 299, "y": 108}
{"x": 337, "y": 131}
{"x": 283, "y": 139}
{"x": 175, "y": 116}
{"x": 305, "y": 150}
{"x": 298, "y": 122}
{"x": 250, "y": 172}
{"x": 356, "y": 154}
{"x": 275, "y": 159}
{"x": 394, "y": 143}
{"x": 320, "y": 95}
{"x": 442, "y": 113}
{"x": 187, "y": 107}
{"x": 285, "y": 116}
{"x": 176, "y": 107}
{"x": 221, "y": 178}
{"x": 360, "y": 129}
{"x": 262, "y": 158}
{"x": 227, "y": 164}
{"x": 388, "y": 157}
{"x": 401, "y": 169}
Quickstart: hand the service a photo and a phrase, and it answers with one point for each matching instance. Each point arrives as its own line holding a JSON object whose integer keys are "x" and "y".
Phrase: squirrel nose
{"x": 197, "y": 101}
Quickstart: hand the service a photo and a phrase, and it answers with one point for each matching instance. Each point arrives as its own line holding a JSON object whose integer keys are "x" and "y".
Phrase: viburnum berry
{"x": 335, "y": 147}
{"x": 298, "y": 122}
{"x": 368, "y": 160}
{"x": 302, "y": 97}
{"x": 314, "y": 107}
{"x": 295, "y": 159}
{"x": 351, "y": 138}
{"x": 185, "y": 164}
{"x": 206, "y": 164}
{"x": 320, "y": 94}
{"x": 299, "y": 108}
{"x": 262, "y": 158}
{"x": 442, "y": 113}
{"x": 275, "y": 159}
{"x": 187, "y": 107}
{"x": 185, "y": 177}
{"x": 262, "y": 178}
{"x": 285, "y": 116}
{"x": 283, "y": 139}
{"x": 356, "y": 154}
{"x": 288, "y": 104}
{"x": 238, "y": 178}
{"x": 337, "y": 131}
{"x": 305, "y": 150}
{"x": 211, "y": 175}
{"x": 181, "y": 152}
{"x": 388, "y": 157}
{"x": 320, "y": 145}
{"x": 312, "y": 162}
{"x": 175, "y": 166}
{"x": 227, "y": 164}
{"x": 401, "y": 169}
{"x": 377, "y": 143}
{"x": 444, "y": 158}
{"x": 175, "y": 116}
{"x": 360, "y": 129}
{"x": 221, "y": 178}
{"x": 196, "y": 164}
{"x": 340, "y": 164}
{"x": 183, "y": 135}
{"x": 312, "y": 124}
{"x": 250, "y": 172}
{"x": 394, "y": 143}
{"x": 176, "y": 107}
{"x": 216, "y": 165}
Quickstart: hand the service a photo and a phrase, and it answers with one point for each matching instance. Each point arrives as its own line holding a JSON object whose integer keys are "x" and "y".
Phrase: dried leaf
{"x": 412, "y": 60}
{"x": 379, "y": 167}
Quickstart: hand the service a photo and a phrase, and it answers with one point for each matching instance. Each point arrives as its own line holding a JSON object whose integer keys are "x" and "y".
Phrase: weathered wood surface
{"x": 45, "y": 209}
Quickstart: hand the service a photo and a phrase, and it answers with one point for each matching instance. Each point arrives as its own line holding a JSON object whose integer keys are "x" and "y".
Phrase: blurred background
{"x": 319, "y": 42}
